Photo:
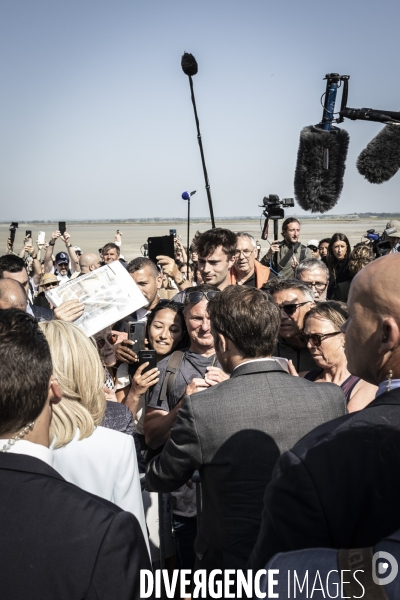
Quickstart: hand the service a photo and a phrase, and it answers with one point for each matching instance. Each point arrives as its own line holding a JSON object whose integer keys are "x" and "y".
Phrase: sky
{"x": 96, "y": 120}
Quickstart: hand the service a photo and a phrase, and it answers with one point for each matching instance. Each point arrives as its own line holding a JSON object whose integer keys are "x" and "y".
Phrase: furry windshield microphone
{"x": 189, "y": 67}
{"x": 318, "y": 180}
{"x": 318, "y": 183}
{"x": 189, "y": 64}
{"x": 380, "y": 160}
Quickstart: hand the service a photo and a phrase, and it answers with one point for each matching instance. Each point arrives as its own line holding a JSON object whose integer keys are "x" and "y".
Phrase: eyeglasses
{"x": 246, "y": 253}
{"x": 318, "y": 285}
{"x": 317, "y": 338}
{"x": 195, "y": 297}
{"x": 111, "y": 338}
{"x": 290, "y": 309}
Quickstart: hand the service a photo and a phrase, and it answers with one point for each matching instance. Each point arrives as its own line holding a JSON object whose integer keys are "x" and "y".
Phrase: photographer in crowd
{"x": 290, "y": 251}
{"x": 66, "y": 263}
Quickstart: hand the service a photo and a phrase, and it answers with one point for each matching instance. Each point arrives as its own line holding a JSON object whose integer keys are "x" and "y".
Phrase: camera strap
{"x": 289, "y": 254}
{"x": 359, "y": 562}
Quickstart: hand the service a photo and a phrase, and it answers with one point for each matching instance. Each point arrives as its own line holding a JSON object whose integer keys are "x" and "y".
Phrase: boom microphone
{"x": 321, "y": 157}
{"x": 380, "y": 160}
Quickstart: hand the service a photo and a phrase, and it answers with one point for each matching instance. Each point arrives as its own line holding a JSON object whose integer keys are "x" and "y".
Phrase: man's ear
{"x": 221, "y": 343}
{"x": 159, "y": 280}
{"x": 55, "y": 394}
{"x": 389, "y": 336}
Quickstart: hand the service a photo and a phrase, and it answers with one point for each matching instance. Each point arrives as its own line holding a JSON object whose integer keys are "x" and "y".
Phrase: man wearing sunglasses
{"x": 234, "y": 432}
{"x": 294, "y": 299}
{"x": 314, "y": 273}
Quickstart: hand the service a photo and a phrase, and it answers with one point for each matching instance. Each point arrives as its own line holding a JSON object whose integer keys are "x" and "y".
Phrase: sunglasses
{"x": 317, "y": 338}
{"x": 111, "y": 339}
{"x": 52, "y": 284}
{"x": 290, "y": 309}
{"x": 195, "y": 297}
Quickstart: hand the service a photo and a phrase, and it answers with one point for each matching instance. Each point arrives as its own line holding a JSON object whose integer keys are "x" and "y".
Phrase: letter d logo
{"x": 381, "y": 568}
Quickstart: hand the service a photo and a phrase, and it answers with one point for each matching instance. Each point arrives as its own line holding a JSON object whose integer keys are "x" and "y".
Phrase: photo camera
{"x": 380, "y": 244}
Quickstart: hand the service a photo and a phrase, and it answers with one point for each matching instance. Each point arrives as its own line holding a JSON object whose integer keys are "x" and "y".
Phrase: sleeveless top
{"x": 347, "y": 386}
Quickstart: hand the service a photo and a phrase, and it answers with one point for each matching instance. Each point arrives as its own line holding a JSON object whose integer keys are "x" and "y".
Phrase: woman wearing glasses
{"x": 326, "y": 343}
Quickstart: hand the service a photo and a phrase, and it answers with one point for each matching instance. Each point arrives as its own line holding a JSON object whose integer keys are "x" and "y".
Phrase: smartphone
{"x": 62, "y": 227}
{"x": 163, "y": 244}
{"x": 149, "y": 356}
{"x": 28, "y": 235}
{"x": 172, "y": 232}
{"x": 13, "y": 227}
{"x": 41, "y": 237}
{"x": 137, "y": 334}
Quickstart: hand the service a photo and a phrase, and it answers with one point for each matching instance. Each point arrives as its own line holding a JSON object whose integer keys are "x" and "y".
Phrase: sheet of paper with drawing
{"x": 109, "y": 294}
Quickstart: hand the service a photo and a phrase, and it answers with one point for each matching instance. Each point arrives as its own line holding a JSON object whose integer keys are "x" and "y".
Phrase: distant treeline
{"x": 366, "y": 215}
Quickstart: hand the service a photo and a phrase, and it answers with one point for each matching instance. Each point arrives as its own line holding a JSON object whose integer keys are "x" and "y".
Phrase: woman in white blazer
{"x": 97, "y": 459}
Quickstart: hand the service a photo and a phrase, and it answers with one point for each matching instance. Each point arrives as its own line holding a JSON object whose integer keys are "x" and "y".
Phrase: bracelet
{"x": 178, "y": 283}
{"x": 70, "y": 246}
{"x": 51, "y": 244}
{"x": 33, "y": 256}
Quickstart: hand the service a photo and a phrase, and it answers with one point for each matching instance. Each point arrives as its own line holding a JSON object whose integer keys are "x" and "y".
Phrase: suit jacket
{"x": 61, "y": 542}
{"x": 234, "y": 433}
{"x": 339, "y": 487}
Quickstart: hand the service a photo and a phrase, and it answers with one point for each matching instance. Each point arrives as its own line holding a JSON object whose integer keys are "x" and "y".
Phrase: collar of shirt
{"x": 394, "y": 384}
{"x": 31, "y": 449}
{"x": 142, "y": 313}
{"x": 29, "y": 309}
{"x": 253, "y": 360}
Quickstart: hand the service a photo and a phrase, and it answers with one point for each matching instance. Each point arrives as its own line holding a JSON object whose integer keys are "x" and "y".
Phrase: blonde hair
{"x": 80, "y": 374}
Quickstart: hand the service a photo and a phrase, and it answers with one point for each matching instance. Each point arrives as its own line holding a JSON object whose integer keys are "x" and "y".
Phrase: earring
{"x": 389, "y": 381}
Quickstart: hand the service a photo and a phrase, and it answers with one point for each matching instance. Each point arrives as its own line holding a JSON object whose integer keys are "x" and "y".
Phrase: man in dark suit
{"x": 235, "y": 431}
{"x": 59, "y": 541}
{"x": 339, "y": 487}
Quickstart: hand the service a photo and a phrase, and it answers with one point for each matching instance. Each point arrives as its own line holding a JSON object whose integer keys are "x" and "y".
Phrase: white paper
{"x": 109, "y": 294}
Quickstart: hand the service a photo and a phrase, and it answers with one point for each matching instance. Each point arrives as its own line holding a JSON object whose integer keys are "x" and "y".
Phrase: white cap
{"x": 313, "y": 243}
{"x": 76, "y": 248}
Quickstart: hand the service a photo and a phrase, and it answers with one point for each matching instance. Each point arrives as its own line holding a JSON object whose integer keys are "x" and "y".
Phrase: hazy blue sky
{"x": 96, "y": 119}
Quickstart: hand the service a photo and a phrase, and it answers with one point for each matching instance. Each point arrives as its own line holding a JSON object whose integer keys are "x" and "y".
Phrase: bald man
{"x": 339, "y": 487}
{"x": 12, "y": 295}
{"x": 88, "y": 261}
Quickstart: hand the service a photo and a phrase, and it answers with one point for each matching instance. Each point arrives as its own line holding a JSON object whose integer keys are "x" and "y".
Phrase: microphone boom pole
{"x": 189, "y": 67}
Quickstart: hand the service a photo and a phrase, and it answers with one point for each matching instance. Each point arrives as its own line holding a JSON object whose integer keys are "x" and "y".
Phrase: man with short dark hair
{"x": 323, "y": 249}
{"x": 12, "y": 295}
{"x": 62, "y": 542}
{"x": 314, "y": 273}
{"x": 294, "y": 299}
{"x": 234, "y": 432}
{"x": 290, "y": 251}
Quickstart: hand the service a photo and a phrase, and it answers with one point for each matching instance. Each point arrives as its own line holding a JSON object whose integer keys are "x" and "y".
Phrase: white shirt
{"x": 104, "y": 464}
{"x": 281, "y": 361}
{"x": 30, "y": 449}
{"x": 142, "y": 314}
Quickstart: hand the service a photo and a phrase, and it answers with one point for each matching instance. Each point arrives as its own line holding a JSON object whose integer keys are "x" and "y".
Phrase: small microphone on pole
{"x": 380, "y": 160}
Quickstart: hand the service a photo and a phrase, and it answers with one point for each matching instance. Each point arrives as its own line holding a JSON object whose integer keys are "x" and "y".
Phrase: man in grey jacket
{"x": 234, "y": 432}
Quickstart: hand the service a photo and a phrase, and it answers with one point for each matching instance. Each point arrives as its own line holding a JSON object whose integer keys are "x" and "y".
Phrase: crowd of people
{"x": 276, "y": 378}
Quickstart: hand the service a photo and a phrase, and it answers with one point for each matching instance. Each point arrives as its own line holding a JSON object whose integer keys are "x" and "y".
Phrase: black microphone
{"x": 380, "y": 160}
{"x": 320, "y": 167}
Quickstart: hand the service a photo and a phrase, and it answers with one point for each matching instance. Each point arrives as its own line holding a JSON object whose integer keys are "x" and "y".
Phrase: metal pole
{"x": 275, "y": 257}
{"x": 202, "y": 154}
{"x": 188, "y": 240}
